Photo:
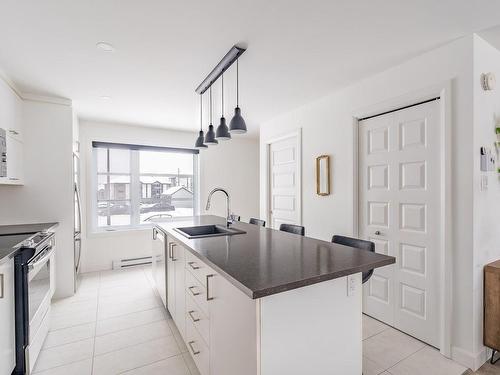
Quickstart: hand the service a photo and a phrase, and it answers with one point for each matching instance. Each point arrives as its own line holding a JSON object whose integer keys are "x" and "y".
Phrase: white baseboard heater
{"x": 131, "y": 262}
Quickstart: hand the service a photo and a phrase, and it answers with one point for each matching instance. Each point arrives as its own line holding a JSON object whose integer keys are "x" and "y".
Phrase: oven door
{"x": 39, "y": 296}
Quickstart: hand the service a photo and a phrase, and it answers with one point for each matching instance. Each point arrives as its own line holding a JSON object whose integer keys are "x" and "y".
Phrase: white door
{"x": 399, "y": 210}
{"x": 284, "y": 182}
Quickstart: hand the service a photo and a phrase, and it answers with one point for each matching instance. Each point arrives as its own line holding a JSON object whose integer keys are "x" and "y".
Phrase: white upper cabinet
{"x": 12, "y": 123}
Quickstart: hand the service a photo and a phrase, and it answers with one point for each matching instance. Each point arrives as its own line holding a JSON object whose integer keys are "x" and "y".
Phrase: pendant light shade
{"x": 222, "y": 133}
{"x": 237, "y": 124}
{"x": 210, "y": 137}
{"x": 199, "y": 141}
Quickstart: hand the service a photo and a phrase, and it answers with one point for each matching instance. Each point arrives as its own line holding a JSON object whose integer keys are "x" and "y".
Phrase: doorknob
{"x": 377, "y": 233}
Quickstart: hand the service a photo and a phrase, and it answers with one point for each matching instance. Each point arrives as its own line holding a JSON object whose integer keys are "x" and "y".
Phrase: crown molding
{"x": 46, "y": 99}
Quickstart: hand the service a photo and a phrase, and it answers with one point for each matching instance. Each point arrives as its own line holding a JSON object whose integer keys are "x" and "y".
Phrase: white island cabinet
{"x": 7, "y": 323}
{"x": 314, "y": 329}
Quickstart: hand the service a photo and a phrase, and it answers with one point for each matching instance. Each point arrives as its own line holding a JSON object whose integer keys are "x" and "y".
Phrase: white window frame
{"x": 135, "y": 193}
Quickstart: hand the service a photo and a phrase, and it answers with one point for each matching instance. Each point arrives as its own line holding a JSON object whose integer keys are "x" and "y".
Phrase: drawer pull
{"x": 208, "y": 287}
{"x": 194, "y": 266}
{"x": 192, "y": 317}
{"x": 2, "y": 286}
{"x": 190, "y": 343}
{"x": 192, "y": 292}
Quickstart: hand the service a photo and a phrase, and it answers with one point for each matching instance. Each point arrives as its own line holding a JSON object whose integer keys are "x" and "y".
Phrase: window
{"x": 136, "y": 183}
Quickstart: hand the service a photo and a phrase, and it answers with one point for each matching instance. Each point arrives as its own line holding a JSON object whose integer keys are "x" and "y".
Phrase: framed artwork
{"x": 323, "y": 178}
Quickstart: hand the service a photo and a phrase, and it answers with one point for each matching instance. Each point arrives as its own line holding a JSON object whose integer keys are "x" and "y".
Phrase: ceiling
{"x": 297, "y": 50}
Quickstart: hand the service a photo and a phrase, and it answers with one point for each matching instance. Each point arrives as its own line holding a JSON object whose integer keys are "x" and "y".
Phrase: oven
{"x": 33, "y": 287}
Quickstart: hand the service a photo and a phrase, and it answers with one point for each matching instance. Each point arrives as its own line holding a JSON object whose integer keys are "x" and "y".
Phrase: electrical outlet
{"x": 351, "y": 285}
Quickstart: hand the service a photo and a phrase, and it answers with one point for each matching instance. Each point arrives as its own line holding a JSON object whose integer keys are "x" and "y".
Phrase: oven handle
{"x": 41, "y": 261}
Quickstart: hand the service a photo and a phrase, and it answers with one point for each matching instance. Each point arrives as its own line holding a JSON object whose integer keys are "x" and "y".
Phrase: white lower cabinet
{"x": 218, "y": 322}
{"x": 176, "y": 297}
{"x": 7, "y": 322}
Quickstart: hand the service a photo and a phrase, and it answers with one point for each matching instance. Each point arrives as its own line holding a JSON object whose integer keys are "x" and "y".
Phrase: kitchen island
{"x": 263, "y": 302}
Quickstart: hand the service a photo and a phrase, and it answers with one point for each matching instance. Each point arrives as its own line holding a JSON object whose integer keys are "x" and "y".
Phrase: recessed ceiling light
{"x": 105, "y": 97}
{"x": 106, "y": 47}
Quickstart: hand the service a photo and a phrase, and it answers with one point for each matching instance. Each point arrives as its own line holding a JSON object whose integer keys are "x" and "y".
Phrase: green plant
{"x": 497, "y": 130}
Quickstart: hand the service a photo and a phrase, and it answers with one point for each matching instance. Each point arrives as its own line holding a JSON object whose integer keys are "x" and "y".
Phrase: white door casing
{"x": 284, "y": 181}
{"x": 399, "y": 210}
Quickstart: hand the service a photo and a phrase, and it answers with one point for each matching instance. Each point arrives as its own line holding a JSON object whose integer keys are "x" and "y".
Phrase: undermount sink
{"x": 201, "y": 231}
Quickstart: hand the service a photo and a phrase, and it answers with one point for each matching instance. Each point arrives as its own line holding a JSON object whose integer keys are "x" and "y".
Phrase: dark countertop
{"x": 264, "y": 261}
{"x": 11, "y": 236}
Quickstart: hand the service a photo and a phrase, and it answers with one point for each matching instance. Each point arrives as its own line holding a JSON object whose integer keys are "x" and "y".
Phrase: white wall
{"x": 327, "y": 128}
{"x": 232, "y": 165}
{"x": 47, "y": 193}
{"x": 487, "y": 202}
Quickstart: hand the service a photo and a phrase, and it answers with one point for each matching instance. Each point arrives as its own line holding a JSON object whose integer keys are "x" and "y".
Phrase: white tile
{"x": 107, "y": 311}
{"x": 135, "y": 356}
{"x": 67, "y": 308}
{"x": 170, "y": 366}
{"x": 68, "y": 335}
{"x": 390, "y": 347}
{"x": 135, "y": 291}
{"x": 371, "y": 367}
{"x": 190, "y": 363}
{"x": 65, "y": 354}
{"x": 59, "y": 321}
{"x": 80, "y": 296}
{"x": 129, "y": 321}
{"x": 128, "y": 337}
{"x": 76, "y": 368}
{"x": 371, "y": 327}
{"x": 427, "y": 361}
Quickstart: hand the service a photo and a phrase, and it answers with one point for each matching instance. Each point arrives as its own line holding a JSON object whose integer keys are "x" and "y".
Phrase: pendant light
{"x": 199, "y": 142}
{"x": 222, "y": 132}
{"x": 210, "y": 137}
{"x": 237, "y": 124}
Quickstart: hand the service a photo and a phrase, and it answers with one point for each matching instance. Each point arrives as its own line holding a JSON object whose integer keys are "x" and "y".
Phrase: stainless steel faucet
{"x": 229, "y": 218}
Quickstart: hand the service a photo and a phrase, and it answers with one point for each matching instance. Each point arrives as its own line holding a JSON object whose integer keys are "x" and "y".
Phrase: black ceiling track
{"x": 220, "y": 68}
{"x": 399, "y": 109}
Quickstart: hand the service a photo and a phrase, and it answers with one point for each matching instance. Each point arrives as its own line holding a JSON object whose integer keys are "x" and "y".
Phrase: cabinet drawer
{"x": 198, "y": 319}
{"x": 197, "y": 292}
{"x": 197, "y": 348}
{"x": 199, "y": 269}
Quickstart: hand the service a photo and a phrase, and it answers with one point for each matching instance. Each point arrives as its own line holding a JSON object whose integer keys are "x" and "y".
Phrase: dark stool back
{"x": 360, "y": 244}
{"x": 291, "y": 228}
{"x": 254, "y": 221}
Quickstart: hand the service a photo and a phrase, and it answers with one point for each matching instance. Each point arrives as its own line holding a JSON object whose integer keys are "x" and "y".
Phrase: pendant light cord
{"x": 210, "y": 104}
{"x": 237, "y": 83}
{"x": 222, "y": 94}
{"x": 201, "y": 112}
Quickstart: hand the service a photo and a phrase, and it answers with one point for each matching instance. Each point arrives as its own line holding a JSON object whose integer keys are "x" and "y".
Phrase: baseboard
{"x": 468, "y": 359}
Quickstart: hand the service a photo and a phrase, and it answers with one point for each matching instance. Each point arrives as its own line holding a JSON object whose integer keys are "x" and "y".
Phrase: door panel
{"x": 399, "y": 209}
{"x": 284, "y": 182}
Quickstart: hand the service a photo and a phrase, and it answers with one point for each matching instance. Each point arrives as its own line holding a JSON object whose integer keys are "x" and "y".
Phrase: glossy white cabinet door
{"x": 233, "y": 329}
{"x": 158, "y": 264}
{"x": 170, "y": 280}
{"x": 7, "y": 323}
{"x": 178, "y": 255}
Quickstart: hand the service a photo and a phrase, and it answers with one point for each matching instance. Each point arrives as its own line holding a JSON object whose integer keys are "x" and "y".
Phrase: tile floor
{"x": 116, "y": 324}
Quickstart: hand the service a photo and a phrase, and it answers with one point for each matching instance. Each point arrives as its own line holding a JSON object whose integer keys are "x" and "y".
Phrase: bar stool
{"x": 292, "y": 228}
{"x": 360, "y": 244}
{"x": 254, "y": 221}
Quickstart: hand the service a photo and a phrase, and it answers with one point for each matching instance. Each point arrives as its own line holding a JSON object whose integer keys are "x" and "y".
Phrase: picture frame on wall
{"x": 323, "y": 178}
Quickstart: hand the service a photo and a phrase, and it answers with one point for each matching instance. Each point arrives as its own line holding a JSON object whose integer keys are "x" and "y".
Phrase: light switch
{"x": 484, "y": 182}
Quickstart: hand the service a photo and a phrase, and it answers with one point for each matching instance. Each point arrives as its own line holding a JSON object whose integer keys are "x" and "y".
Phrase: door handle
{"x": 190, "y": 343}
{"x": 2, "y": 285}
{"x": 208, "y": 287}
{"x": 377, "y": 233}
{"x": 190, "y": 313}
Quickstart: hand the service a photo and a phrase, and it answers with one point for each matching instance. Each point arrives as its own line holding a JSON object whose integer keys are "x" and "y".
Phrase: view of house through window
{"x": 136, "y": 185}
